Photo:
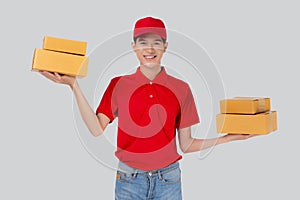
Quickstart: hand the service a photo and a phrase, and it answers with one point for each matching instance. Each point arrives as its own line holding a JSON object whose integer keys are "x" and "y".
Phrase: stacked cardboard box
{"x": 61, "y": 55}
{"x": 246, "y": 115}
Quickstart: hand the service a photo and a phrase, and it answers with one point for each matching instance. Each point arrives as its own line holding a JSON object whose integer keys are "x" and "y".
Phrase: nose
{"x": 150, "y": 48}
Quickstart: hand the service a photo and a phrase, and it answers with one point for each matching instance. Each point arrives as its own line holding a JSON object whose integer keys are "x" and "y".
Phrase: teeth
{"x": 149, "y": 57}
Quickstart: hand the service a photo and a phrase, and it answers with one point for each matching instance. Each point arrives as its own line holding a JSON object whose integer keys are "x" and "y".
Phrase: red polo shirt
{"x": 149, "y": 112}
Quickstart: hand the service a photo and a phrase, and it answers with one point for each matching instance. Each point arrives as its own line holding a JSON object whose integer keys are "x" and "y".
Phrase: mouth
{"x": 149, "y": 57}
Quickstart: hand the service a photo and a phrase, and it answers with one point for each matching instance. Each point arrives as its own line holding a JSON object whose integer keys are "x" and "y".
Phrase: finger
{"x": 45, "y": 72}
{"x": 57, "y": 75}
{"x": 49, "y": 76}
{"x": 250, "y": 136}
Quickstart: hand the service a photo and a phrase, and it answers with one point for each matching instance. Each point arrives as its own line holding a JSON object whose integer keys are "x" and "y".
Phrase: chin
{"x": 151, "y": 65}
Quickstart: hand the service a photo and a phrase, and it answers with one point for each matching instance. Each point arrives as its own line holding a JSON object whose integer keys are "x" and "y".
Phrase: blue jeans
{"x": 135, "y": 184}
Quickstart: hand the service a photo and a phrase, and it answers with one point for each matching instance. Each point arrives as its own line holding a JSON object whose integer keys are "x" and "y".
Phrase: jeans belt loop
{"x": 159, "y": 175}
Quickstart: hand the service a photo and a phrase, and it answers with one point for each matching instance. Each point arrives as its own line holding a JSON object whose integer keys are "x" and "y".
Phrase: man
{"x": 150, "y": 105}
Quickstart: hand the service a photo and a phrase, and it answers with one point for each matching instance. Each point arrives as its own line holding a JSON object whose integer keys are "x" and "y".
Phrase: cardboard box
{"x": 261, "y": 123}
{"x": 64, "y": 45}
{"x": 245, "y": 105}
{"x": 63, "y": 63}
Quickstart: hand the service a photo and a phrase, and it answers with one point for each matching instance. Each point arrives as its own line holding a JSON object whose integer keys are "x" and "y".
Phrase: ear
{"x": 166, "y": 46}
{"x": 133, "y": 46}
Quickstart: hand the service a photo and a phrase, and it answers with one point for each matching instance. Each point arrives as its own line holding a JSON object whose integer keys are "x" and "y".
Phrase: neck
{"x": 150, "y": 73}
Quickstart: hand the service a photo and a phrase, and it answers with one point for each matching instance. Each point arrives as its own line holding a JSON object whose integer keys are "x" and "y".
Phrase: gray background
{"x": 255, "y": 45}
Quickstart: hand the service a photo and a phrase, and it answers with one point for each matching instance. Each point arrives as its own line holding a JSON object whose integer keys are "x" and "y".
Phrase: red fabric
{"x": 150, "y": 25}
{"x": 149, "y": 112}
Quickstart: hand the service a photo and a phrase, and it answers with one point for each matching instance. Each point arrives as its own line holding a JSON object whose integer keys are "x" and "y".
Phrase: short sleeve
{"x": 188, "y": 112}
{"x": 108, "y": 104}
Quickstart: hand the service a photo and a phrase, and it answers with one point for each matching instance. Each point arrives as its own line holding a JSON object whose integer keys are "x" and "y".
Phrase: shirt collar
{"x": 160, "y": 78}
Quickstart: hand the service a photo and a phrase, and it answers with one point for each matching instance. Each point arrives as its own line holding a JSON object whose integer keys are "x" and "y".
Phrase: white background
{"x": 255, "y": 45}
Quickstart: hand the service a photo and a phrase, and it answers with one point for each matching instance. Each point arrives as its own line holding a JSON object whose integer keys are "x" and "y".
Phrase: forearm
{"x": 88, "y": 115}
{"x": 201, "y": 144}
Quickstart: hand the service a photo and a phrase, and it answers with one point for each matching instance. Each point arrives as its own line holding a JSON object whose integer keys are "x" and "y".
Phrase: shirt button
{"x": 150, "y": 83}
{"x": 151, "y": 95}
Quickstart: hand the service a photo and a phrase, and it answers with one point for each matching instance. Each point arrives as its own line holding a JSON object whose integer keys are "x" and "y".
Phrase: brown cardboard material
{"x": 63, "y": 63}
{"x": 64, "y": 45}
{"x": 262, "y": 123}
{"x": 245, "y": 105}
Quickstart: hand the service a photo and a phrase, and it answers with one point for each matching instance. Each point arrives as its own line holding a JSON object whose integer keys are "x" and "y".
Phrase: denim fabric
{"x": 162, "y": 184}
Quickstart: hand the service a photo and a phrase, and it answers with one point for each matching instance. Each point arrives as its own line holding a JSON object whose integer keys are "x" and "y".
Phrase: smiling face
{"x": 149, "y": 49}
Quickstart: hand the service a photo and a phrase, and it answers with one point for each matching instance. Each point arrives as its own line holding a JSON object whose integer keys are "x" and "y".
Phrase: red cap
{"x": 150, "y": 25}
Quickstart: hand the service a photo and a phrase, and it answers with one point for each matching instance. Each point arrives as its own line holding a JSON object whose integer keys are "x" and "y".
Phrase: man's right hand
{"x": 57, "y": 78}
